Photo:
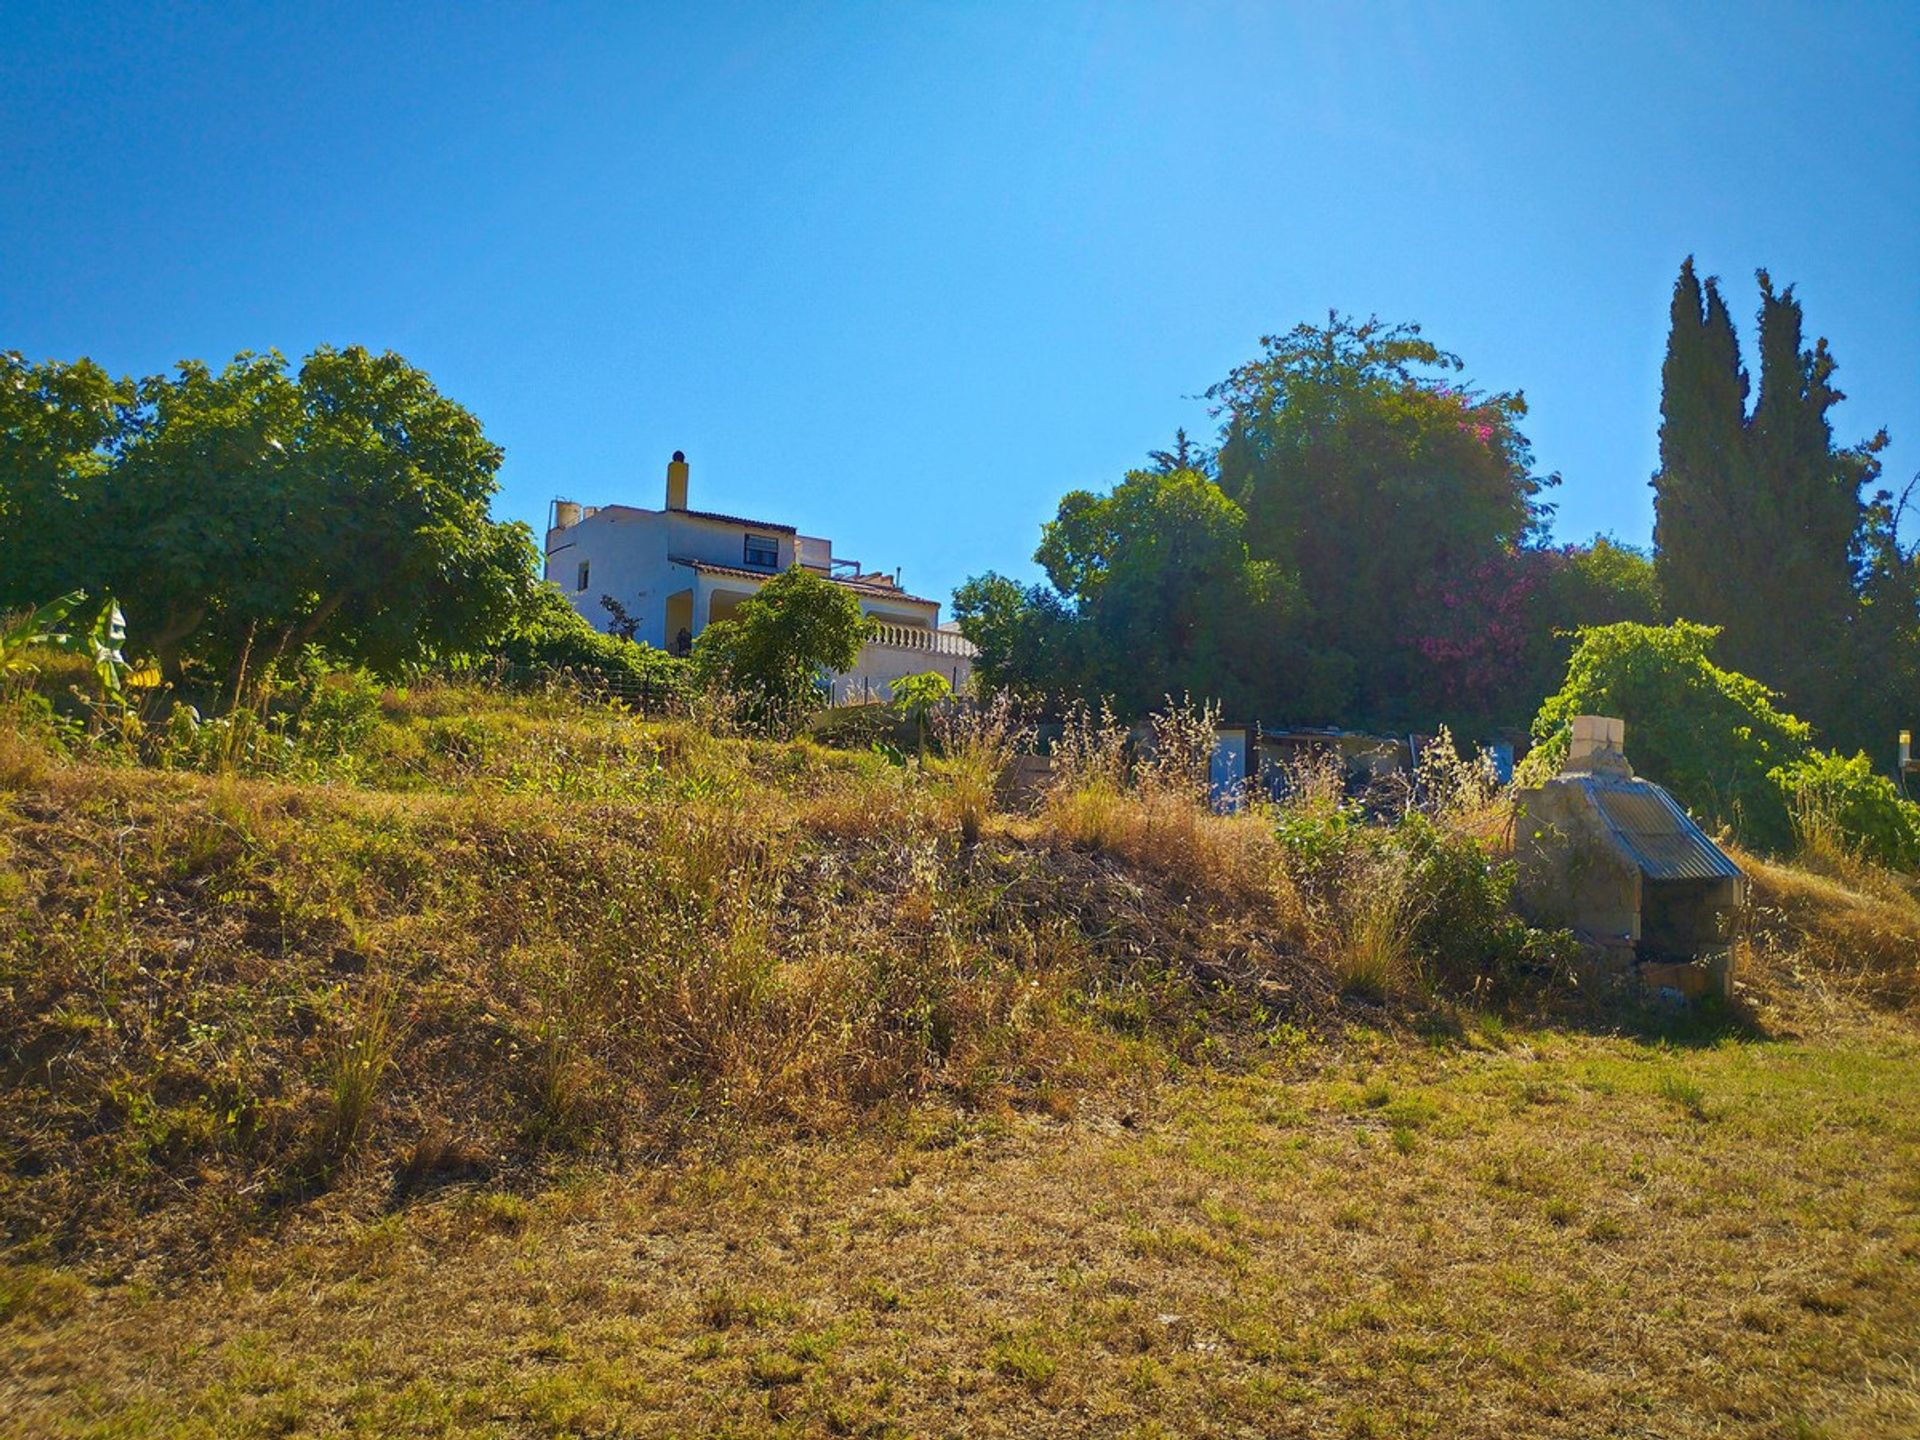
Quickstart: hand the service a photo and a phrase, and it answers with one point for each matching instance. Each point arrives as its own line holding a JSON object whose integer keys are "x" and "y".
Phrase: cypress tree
{"x": 1807, "y": 503}
{"x": 1700, "y": 525}
{"x": 1759, "y": 526}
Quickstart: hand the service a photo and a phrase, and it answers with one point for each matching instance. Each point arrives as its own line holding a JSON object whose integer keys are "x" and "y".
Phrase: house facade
{"x": 676, "y": 570}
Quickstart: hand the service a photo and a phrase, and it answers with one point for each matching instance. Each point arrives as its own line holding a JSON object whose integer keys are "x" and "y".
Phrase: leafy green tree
{"x": 1884, "y": 645}
{"x": 1159, "y": 573}
{"x": 1719, "y": 741}
{"x": 778, "y": 648}
{"x": 1575, "y": 587}
{"x": 1365, "y": 551}
{"x": 1185, "y": 455}
{"x": 399, "y": 481}
{"x": 915, "y": 698}
{"x": 59, "y": 425}
{"x": 1031, "y": 644}
{"x": 1402, "y": 502}
{"x": 1604, "y": 582}
{"x": 258, "y": 510}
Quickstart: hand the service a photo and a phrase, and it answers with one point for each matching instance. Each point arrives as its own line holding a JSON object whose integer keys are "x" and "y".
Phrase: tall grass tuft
{"x": 1087, "y": 801}
{"x": 977, "y": 745}
{"x": 359, "y": 1063}
{"x": 1370, "y": 941}
{"x": 1462, "y": 794}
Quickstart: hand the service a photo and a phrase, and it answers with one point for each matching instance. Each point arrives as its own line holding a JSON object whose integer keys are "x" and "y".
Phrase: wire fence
{"x": 644, "y": 694}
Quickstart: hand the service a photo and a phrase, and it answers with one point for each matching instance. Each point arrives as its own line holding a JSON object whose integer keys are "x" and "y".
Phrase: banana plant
{"x": 30, "y": 630}
{"x": 104, "y": 644}
{"x": 101, "y": 643}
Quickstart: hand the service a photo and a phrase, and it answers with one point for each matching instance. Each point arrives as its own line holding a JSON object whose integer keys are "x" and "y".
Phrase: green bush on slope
{"x": 1839, "y": 799}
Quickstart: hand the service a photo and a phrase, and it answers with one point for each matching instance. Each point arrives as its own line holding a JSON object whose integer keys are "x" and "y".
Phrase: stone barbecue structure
{"x": 1615, "y": 859}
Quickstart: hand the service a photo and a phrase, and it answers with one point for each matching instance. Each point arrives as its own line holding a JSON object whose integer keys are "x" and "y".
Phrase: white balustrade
{"x": 914, "y": 637}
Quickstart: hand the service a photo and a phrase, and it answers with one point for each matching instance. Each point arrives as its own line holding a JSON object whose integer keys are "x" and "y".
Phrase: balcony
{"x": 893, "y": 652}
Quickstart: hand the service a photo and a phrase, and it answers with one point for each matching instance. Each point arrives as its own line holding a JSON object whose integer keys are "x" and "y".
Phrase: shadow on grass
{"x": 1593, "y": 1004}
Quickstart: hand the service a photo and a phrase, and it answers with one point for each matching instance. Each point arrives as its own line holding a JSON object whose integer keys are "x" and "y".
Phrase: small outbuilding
{"x": 1616, "y": 859}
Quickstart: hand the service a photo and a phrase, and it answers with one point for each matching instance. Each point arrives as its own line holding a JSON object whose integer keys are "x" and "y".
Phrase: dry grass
{"x": 1220, "y": 859}
{"x": 354, "y": 1072}
{"x": 666, "y": 1084}
{"x": 977, "y": 744}
{"x": 1153, "y": 815}
{"x": 1553, "y": 1235}
{"x": 1369, "y": 942}
{"x": 221, "y": 996}
{"x": 1855, "y": 928}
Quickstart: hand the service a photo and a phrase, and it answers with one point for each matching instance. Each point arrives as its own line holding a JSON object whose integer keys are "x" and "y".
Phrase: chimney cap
{"x": 679, "y": 457}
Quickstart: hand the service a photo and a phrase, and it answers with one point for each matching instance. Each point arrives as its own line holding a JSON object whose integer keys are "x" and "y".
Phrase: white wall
{"x": 626, "y": 551}
{"x": 881, "y": 664}
{"x": 628, "y": 556}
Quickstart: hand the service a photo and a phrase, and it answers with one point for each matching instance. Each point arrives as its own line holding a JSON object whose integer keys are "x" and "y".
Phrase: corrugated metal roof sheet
{"x": 1658, "y": 834}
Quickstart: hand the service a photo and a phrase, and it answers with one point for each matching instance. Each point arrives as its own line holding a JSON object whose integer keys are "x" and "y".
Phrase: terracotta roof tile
{"x": 738, "y": 520}
{"x": 861, "y": 584}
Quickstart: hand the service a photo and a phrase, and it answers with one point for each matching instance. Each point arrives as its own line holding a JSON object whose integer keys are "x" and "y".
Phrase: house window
{"x": 763, "y": 552}
{"x": 582, "y": 582}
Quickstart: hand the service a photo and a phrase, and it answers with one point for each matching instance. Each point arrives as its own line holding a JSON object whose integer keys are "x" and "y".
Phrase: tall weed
{"x": 358, "y": 1064}
{"x": 1462, "y": 794}
{"x": 977, "y": 744}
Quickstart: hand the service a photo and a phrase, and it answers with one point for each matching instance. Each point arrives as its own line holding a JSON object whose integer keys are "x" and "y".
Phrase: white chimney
{"x": 1596, "y": 735}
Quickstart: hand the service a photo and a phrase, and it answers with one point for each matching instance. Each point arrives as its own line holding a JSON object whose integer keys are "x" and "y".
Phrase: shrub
{"x": 551, "y": 637}
{"x": 1711, "y": 736}
{"x": 1463, "y": 926}
{"x": 337, "y": 710}
{"x": 1372, "y": 952}
{"x": 1319, "y": 835}
{"x": 776, "y": 650}
{"x": 1839, "y": 803}
{"x": 918, "y": 696}
{"x": 1406, "y": 906}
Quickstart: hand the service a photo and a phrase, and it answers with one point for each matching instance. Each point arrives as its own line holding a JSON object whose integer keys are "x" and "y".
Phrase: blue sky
{"x": 903, "y": 274}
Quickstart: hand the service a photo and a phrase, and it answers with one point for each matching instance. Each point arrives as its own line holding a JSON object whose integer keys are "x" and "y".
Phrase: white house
{"x": 676, "y": 570}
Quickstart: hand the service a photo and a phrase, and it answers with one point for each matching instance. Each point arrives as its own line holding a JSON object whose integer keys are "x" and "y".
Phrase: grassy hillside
{"x": 520, "y": 1068}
